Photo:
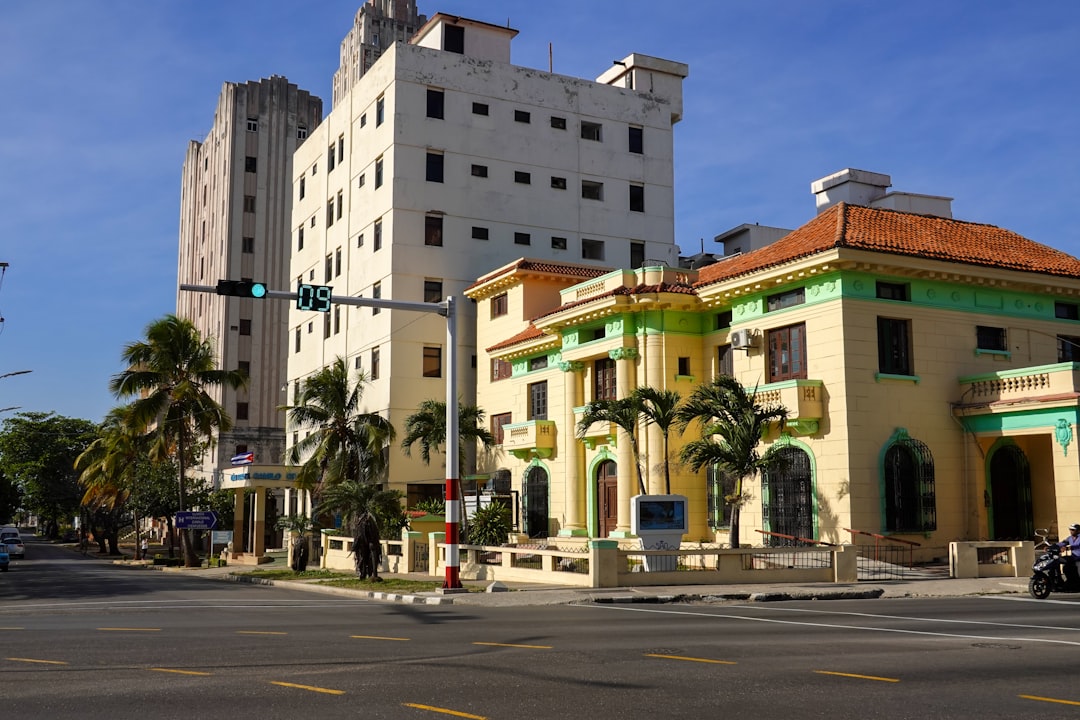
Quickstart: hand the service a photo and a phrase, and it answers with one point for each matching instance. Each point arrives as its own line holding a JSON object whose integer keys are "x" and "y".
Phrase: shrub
{"x": 489, "y": 525}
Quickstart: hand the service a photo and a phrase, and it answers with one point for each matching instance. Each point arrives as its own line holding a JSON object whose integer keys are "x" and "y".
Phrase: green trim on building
{"x": 592, "y": 503}
{"x": 1021, "y": 420}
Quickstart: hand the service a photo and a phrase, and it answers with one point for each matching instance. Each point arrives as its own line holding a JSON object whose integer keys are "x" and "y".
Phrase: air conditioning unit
{"x": 742, "y": 339}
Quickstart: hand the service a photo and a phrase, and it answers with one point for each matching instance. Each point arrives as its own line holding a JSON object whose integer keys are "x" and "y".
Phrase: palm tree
{"x": 732, "y": 427}
{"x": 660, "y": 408}
{"x": 623, "y": 412}
{"x": 170, "y": 373}
{"x": 427, "y": 428}
{"x": 353, "y": 498}
{"x": 345, "y": 443}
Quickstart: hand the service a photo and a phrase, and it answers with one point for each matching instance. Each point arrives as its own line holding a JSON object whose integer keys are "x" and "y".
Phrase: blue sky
{"x": 972, "y": 100}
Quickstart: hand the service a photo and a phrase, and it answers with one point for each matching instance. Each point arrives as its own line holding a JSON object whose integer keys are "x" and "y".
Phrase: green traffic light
{"x": 258, "y": 290}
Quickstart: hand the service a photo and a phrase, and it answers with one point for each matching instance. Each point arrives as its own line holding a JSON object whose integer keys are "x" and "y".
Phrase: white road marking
{"x": 907, "y": 617}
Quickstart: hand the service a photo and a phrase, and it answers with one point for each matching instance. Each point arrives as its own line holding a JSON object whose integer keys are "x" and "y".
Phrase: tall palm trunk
{"x": 187, "y": 543}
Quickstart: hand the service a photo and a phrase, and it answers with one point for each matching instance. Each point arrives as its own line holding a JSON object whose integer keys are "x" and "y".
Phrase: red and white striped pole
{"x": 453, "y": 446}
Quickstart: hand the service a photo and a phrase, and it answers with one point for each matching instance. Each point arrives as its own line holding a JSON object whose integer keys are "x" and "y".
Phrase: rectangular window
{"x": 1068, "y": 347}
{"x": 604, "y": 379}
{"x": 894, "y": 346}
{"x": 522, "y": 116}
{"x": 241, "y": 411}
{"x": 432, "y": 362}
{"x": 340, "y": 205}
{"x": 479, "y": 171}
{"x": 329, "y": 212}
{"x": 360, "y": 181}
{"x": 433, "y": 291}
{"x": 723, "y": 319}
{"x": 724, "y": 360}
{"x": 314, "y": 169}
{"x": 363, "y": 120}
{"x": 454, "y": 39}
{"x": 247, "y": 245}
{"x": 434, "y": 167}
{"x": 435, "y": 99}
{"x": 337, "y": 319}
{"x": 500, "y": 305}
{"x": 558, "y": 243}
{"x": 1066, "y": 311}
{"x": 301, "y": 132}
{"x": 328, "y": 268}
{"x": 592, "y": 249}
{"x": 787, "y": 353}
{"x": 894, "y": 291}
{"x": 301, "y": 189}
{"x": 591, "y": 190}
{"x": 374, "y": 374}
{"x": 331, "y": 158}
{"x": 480, "y": 233}
{"x": 253, "y": 124}
{"x": 341, "y": 148}
{"x": 326, "y": 326}
{"x": 684, "y": 366}
{"x": 521, "y": 238}
{"x": 991, "y": 338}
{"x": 360, "y": 240}
{"x": 498, "y": 422}
{"x": 250, "y": 164}
{"x": 297, "y": 345}
{"x": 378, "y": 172}
{"x": 245, "y": 326}
{"x": 377, "y": 236}
{"x": 433, "y": 230}
{"x": 312, "y": 221}
{"x": 376, "y": 294}
{"x": 637, "y": 198}
{"x": 635, "y": 137}
{"x": 591, "y": 131}
{"x": 538, "y": 398}
{"x": 296, "y": 392}
{"x": 480, "y": 108}
{"x": 300, "y": 239}
{"x": 559, "y": 123}
{"x": 249, "y": 203}
{"x": 538, "y": 363}
{"x": 337, "y": 262}
{"x": 380, "y": 111}
{"x": 522, "y": 177}
{"x": 500, "y": 369}
{"x": 786, "y": 299}
{"x": 559, "y": 183}
{"x": 637, "y": 254}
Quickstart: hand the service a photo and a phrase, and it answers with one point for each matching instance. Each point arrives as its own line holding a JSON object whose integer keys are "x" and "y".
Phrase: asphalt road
{"x": 83, "y": 639}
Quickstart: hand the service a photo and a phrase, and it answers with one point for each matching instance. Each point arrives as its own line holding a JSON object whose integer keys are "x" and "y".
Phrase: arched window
{"x": 910, "y": 503}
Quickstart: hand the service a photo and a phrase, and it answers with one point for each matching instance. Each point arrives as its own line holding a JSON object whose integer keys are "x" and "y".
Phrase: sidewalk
{"x": 524, "y": 594}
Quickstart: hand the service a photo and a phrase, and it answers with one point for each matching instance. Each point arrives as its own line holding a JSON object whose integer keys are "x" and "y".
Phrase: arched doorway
{"x": 787, "y": 498}
{"x": 536, "y": 502}
{"x": 607, "y": 498}
{"x": 1011, "y": 516}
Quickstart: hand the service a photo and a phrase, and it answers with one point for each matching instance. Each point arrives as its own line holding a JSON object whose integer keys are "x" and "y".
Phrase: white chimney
{"x": 857, "y": 187}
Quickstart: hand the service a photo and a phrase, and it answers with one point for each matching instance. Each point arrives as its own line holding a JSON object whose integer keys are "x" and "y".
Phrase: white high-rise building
{"x": 444, "y": 162}
{"x": 235, "y": 209}
{"x": 378, "y": 25}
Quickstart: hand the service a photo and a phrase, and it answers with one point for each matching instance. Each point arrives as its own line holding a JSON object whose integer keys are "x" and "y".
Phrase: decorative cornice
{"x": 571, "y": 366}
{"x": 623, "y": 353}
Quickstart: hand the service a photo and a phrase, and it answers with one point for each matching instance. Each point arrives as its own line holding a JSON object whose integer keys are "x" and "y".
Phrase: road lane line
{"x": 179, "y": 672}
{"x": 1049, "y": 700}
{"x": 123, "y": 629}
{"x": 378, "y": 637}
{"x": 857, "y": 677}
{"x": 12, "y": 628}
{"x": 513, "y": 645}
{"x": 831, "y": 626}
{"x": 43, "y": 662}
{"x": 445, "y": 711}
{"x": 312, "y": 688}
{"x": 261, "y": 632}
{"x": 691, "y": 659}
{"x": 906, "y": 617}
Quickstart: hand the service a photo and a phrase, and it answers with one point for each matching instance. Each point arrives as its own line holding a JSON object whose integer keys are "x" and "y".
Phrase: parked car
{"x": 15, "y": 547}
{"x": 5, "y": 559}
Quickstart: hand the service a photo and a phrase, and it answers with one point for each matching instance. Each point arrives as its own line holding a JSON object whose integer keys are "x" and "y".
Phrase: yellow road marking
{"x": 1050, "y": 700}
{"x": 444, "y": 711}
{"x": 260, "y": 632}
{"x": 530, "y": 647}
{"x": 179, "y": 672}
{"x": 859, "y": 677}
{"x": 691, "y": 659}
{"x": 43, "y": 662}
{"x": 376, "y": 637}
{"x": 130, "y": 629}
{"x": 312, "y": 688}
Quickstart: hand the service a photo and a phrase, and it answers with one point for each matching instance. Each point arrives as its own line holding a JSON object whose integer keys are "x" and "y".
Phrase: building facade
{"x": 235, "y": 218}
{"x": 927, "y": 366}
{"x": 445, "y": 161}
{"x": 378, "y": 25}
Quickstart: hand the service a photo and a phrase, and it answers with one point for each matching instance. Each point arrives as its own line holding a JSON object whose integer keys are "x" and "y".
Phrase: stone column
{"x": 238, "y": 522}
{"x": 625, "y": 382}
{"x": 653, "y": 441}
{"x": 259, "y": 531}
{"x": 570, "y": 447}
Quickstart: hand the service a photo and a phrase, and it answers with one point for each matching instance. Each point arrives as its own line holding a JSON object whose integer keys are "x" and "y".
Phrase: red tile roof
{"x": 900, "y": 233}
{"x": 543, "y": 266}
{"x": 529, "y": 333}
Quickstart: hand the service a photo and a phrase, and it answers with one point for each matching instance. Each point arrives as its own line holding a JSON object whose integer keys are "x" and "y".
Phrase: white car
{"x": 15, "y": 547}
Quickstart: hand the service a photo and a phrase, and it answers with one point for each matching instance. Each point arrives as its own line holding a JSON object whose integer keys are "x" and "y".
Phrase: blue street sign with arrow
{"x": 196, "y": 520}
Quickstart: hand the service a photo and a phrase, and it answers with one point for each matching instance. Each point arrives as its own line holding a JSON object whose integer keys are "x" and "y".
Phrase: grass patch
{"x": 292, "y": 575}
{"x": 387, "y": 585}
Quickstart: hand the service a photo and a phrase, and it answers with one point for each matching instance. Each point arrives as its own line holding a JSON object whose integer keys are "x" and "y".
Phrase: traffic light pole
{"x": 448, "y": 309}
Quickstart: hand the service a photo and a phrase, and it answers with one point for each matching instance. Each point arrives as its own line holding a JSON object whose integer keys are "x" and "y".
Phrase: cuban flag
{"x": 243, "y": 459}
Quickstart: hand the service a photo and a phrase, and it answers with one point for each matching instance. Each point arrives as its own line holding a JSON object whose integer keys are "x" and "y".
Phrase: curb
{"x": 869, "y": 593}
{"x": 343, "y": 592}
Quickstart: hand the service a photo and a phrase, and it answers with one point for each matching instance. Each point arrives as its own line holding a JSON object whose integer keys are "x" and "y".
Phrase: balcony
{"x": 531, "y": 439}
{"x": 803, "y": 399}
{"x": 598, "y": 433}
{"x": 1023, "y": 386}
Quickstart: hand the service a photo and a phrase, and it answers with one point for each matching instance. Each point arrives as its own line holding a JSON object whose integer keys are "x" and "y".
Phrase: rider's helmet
{"x": 1074, "y": 526}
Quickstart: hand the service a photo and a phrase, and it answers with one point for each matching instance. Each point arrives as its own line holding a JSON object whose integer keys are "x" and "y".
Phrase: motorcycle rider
{"x": 1072, "y": 576}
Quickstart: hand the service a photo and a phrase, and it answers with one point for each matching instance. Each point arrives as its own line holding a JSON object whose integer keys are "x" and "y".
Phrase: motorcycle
{"x": 1048, "y": 574}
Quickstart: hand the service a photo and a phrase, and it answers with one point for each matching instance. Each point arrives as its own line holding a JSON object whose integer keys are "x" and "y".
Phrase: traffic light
{"x": 241, "y": 288}
{"x": 313, "y": 297}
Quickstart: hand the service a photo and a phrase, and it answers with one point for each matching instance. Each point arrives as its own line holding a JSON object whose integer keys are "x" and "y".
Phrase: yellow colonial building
{"x": 926, "y": 365}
